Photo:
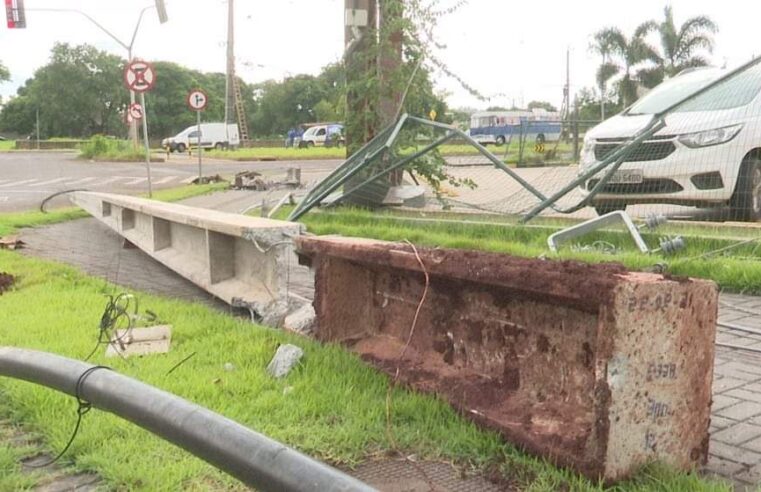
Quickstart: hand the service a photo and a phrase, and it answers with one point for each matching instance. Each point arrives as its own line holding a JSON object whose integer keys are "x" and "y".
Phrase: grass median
{"x": 332, "y": 406}
{"x": 508, "y": 153}
{"x": 731, "y": 256}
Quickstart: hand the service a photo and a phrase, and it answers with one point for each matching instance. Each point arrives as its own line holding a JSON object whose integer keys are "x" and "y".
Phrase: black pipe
{"x": 252, "y": 458}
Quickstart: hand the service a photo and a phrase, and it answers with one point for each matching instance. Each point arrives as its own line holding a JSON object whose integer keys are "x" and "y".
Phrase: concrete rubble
{"x": 589, "y": 366}
{"x": 285, "y": 359}
{"x": 301, "y": 320}
{"x": 241, "y": 260}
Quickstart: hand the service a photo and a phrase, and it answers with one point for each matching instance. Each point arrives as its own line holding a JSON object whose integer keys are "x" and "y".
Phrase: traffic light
{"x": 14, "y": 13}
{"x": 161, "y": 9}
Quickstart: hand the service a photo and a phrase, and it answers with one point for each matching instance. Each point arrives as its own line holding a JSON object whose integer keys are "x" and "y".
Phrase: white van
{"x": 322, "y": 136}
{"x": 213, "y": 136}
{"x": 709, "y": 153}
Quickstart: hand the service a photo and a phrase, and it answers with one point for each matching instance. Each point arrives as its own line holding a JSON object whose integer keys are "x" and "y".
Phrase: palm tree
{"x": 681, "y": 47}
{"x": 622, "y": 55}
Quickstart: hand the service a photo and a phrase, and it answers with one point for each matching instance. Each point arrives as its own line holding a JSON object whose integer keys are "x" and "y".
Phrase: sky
{"x": 512, "y": 51}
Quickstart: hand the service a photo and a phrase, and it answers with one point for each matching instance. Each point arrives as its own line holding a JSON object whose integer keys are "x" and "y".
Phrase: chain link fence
{"x": 690, "y": 149}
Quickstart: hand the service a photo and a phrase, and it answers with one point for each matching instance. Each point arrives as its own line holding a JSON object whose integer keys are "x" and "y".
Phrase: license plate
{"x": 633, "y": 176}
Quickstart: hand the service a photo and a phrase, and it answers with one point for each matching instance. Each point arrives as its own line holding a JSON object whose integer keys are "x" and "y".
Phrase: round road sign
{"x": 139, "y": 76}
{"x": 135, "y": 111}
{"x": 197, "y": 100}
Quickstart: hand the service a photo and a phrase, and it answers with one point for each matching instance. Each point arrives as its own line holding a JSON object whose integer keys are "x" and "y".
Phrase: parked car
{"x": 213, "y": 135}
{"x": 322, "y": 136}
{"x": 708, "y": 154}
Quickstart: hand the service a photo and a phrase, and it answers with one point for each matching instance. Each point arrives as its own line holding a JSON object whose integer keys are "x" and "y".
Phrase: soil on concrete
{"x": 6, "y": 281}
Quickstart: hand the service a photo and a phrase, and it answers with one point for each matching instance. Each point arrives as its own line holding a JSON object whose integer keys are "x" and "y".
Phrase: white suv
{"x": 708, "y": 154}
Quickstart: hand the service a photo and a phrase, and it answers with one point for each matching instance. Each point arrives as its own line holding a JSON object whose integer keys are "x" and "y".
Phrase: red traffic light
{"x": 14, "y": 13}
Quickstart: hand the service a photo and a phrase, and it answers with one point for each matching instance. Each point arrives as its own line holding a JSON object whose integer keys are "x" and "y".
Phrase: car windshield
{"x": 735, "y": 92}
{"x": 672, "y": 91}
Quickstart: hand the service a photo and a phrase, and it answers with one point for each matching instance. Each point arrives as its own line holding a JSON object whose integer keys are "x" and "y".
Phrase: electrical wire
{"x": 58, "y": 193}
{"x": 83, "y": 407}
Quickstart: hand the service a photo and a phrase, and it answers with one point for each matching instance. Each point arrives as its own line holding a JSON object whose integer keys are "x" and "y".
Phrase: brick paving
{"x": 735, "y": 447}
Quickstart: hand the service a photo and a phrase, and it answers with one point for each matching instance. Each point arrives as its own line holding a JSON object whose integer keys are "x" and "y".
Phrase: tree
{"x": 542, "y": 105}
{"x": 5, "y": 75}
{"x": 681, "y": 47}
{"x": 625, "y": 56}
{"x": 78, "y": 93}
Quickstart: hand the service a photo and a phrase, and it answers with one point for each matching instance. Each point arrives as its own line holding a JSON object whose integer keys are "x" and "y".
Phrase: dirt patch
{"x": 6, "y": 281}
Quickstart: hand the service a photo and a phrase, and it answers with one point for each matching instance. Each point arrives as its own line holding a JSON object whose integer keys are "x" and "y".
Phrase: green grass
{"x": 737, "y": 270}
{"x": 282, "y": 153}
{"x": 332, "y": 406}
{"x": 11, "y": 222}
{"x": 7, "y": 145}
{"x": 102, "y": 148}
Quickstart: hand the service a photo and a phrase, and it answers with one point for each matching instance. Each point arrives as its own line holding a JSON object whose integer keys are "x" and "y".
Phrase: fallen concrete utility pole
{"x": 241, "y": 260}
{"x": 252, "y": 458}
{"x": 590, "y": 366}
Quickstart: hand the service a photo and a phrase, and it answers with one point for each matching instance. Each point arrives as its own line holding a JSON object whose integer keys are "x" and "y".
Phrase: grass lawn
{"x": 7, "y": 145}
{"x": 737, "y": 269}
{"x": 332, "y": 406}
{"x": 281, "y": 153}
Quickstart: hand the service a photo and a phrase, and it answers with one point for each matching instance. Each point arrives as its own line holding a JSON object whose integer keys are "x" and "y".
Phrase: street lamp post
{"x": 128, "y": 47}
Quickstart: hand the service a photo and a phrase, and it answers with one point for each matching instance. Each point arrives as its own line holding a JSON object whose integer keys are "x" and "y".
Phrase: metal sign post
{"x": 197, "y": 101}
{"x": 140, "y": 77}
{"x": 147, "y": 147}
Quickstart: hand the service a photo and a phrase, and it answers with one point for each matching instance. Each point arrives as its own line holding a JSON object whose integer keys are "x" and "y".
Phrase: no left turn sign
{"x": 135, "y": 111}
{"x": 197, "y": 100}
{"x": 139, "y": 76}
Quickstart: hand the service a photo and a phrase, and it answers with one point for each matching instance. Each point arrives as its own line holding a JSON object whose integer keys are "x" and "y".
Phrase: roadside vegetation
{"x": 332, "y": 406}
{"x": 508, "y": 153}
{"x": 102, "y": 148}
{"x": 7, "y": 144}
{"x": 731, "y": 256}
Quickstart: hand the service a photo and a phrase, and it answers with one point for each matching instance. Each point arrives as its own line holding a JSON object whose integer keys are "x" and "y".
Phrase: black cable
{"x": 58, "y": 193}
{"x": 83, "y": 407}
{"x": 170, "y": 371}
{"x": 115, "y": 310}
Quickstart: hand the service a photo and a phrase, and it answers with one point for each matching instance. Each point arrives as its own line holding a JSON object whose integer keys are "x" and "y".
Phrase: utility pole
{"x": 389, "y": 64}
{"x": 360, "y": 26}
{"x": 229, "y": 103}
{"x": 565, "y": 110}
{"x": 234, "y": 105}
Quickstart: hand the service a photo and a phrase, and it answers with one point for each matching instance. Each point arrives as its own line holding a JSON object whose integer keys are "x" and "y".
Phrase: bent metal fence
{"x": 691, "y": 148}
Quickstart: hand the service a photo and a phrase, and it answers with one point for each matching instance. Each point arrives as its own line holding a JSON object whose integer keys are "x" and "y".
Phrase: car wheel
{"x": 540, "y": 138}
{"x": 310, "y": 145}
{"x": 745, "y": 203}
{"x": 499, "y": 141}
{"x": 606, "y": 208}
{"x": 181, "y": 148}
{"x": 219, "y": 146}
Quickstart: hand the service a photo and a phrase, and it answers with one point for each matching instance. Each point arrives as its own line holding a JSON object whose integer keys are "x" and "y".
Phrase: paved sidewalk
{"x": 735, "y": 447}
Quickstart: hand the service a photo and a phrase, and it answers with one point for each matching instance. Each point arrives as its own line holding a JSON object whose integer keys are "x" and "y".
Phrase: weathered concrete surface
{"x": 241, "y": 260}
{"x": 591, "y": 366}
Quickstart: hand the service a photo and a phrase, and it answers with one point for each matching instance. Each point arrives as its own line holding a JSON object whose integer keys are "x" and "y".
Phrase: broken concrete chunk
{"x": 286, "y": 358}
{"x": 302, "y": 320}
{"x": 140, "y": 341}
{"x": 590, "y": 366}
{"x": 11, "y": 242}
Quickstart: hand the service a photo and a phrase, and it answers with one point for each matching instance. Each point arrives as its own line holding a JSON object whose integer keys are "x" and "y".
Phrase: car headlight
{"x": 710, "y": 137}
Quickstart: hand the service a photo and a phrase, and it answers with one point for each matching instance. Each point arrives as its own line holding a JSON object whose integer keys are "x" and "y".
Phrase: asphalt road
{"x": 26, "y": 178}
